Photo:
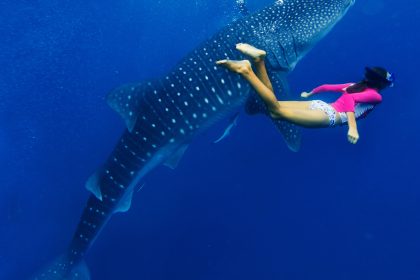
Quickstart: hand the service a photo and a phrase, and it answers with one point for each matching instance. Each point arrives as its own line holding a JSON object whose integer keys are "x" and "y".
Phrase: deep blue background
{"x": 246, "y": 208}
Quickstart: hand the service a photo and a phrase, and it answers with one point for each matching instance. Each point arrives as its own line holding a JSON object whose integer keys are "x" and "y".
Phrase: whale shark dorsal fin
{"x": 125, "y": 204}
{"x": 92, "y": 185}
{"x": 174, "y": 160}
{"x": 124, "y": 100}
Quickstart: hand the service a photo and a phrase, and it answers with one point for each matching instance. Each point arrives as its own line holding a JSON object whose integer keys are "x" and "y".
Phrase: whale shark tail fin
{"x": 62, "y": 269}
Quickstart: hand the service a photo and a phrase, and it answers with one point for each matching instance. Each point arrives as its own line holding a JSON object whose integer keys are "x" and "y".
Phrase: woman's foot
{"x": 251, "y": 51}
{"x": 237, "y": 66}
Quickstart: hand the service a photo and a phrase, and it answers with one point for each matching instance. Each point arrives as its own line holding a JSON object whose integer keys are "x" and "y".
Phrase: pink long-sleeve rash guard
{"x": 347, "y": 101}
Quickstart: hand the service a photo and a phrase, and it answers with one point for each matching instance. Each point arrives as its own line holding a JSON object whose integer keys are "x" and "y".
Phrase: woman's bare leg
{"x": 257, "y": 56}
{"x": 243, "y": 67}
{"x": 304, "y": 117}
{"x": 301, "y": 105}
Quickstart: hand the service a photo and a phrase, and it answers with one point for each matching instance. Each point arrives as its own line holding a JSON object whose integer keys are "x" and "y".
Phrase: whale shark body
{"x": 164, "y": 115}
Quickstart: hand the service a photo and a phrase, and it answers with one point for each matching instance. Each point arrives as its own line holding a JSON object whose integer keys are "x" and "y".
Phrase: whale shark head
{"x": 317, "y": 18}
{"x": 300, "y": 24}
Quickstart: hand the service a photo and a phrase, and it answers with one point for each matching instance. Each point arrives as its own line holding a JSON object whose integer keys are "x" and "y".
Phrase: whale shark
{"x": 163, "y": 116}
{"x": 232, "y": 123}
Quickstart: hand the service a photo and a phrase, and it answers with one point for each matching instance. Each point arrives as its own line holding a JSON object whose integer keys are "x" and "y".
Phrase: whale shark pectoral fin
{"x": 125, "y": 100}
{"x": 125, "y": 203}
{"x": 174, "y": 160}
{"x": 232, "y": 123}
{"x": 291, "y": 133}
{"x": 280, "y": 84}
{"x": 93, "y": 186}
{"x": 254, "y": 105}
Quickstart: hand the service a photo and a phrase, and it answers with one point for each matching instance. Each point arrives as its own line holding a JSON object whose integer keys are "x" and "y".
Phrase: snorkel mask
{"x": 381, "y": 75}
{"x": 390, "y": 78}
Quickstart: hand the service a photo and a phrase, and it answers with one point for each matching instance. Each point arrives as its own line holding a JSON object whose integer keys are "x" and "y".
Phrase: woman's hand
{"x": 305, "y": 94}
{"x": 353, "y": 135}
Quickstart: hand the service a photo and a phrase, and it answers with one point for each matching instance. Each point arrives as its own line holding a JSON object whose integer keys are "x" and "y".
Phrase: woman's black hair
{"x": 375, "y": 77}
{"x": 357, "y": 87}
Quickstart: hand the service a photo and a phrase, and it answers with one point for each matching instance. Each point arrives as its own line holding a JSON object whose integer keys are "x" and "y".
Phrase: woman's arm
{"x": 353, "y": 134}
{"x": 326, "y": 88}
{"x": 367, "y": 96}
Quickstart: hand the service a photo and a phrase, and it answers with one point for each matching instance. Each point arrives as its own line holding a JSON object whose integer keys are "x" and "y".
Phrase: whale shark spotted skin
{"x": 163, "y": 116}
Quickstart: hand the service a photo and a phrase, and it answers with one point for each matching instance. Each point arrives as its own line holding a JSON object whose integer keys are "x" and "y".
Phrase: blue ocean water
{"x": 247, "y": 208}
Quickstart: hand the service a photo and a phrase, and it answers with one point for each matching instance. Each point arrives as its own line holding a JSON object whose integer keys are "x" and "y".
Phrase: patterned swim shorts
{"x": 324, "y": 107}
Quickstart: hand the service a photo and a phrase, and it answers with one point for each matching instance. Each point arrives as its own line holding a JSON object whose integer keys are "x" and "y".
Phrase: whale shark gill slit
{"x": 284, "y": 54}
{"x": 295, "y": 46}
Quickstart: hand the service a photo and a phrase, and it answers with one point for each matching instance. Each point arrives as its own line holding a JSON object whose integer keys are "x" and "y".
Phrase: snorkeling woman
{"x": 356, "y": 101}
